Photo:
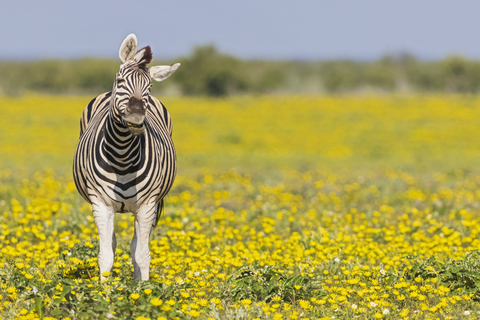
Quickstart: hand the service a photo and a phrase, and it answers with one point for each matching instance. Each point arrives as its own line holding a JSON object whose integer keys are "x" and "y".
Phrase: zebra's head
{"x": 133, "y": 81}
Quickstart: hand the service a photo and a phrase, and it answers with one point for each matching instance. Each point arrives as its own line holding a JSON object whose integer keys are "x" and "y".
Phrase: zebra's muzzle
{"x": 134, "y": 125}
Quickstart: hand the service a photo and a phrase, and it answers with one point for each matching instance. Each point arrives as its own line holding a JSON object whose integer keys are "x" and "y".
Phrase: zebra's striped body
{"x": 125, "y": 158}
{"x": 124, "y": 169}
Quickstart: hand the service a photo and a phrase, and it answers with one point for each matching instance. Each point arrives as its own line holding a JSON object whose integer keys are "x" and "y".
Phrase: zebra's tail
{"x": 158, "y": 213}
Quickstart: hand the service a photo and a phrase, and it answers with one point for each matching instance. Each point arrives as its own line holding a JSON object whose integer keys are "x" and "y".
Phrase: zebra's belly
{"x": 128, "y": 194}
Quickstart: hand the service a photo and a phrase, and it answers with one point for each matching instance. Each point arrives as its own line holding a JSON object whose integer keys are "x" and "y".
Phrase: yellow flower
{"x": 277, "y": 316}
{"x": 134, "y": 296}
{"x": 305, "y": 304}
{"x": 246, "y": 302}
{"x": 166, "y": 308}
{"x": 194, "y": 313}
{"x": 156, "y": 302}
{"x": 297, "y": 287}
{"x": 203, "y": 302}
{"x": 147, "y": 291}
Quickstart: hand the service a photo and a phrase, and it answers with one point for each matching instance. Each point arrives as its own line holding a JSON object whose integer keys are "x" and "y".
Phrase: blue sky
{"x": 265, "y": 29}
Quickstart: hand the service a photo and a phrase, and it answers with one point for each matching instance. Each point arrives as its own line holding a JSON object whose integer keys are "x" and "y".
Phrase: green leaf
{"x": 65, "y": 291}
{"x": 39, "y": 306}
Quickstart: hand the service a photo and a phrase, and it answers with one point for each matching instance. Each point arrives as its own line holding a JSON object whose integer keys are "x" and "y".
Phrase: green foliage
{"x": 208, "y": 72}
{"x": 266, "y": 283}
{"x": 457, "y": 275}
{"x": 75, "y": 298}
{"x": 57, "y": 76}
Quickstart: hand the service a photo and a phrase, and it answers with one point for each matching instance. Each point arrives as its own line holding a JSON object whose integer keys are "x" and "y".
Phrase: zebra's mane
{"x": 143, "y": 57}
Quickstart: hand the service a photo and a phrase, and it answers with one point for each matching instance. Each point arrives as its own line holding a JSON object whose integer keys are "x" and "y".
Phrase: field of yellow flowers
{"x": 283, "y": 208}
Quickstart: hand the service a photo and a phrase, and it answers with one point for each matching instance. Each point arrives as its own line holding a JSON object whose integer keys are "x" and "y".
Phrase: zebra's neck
{"x": 122, "y": 150}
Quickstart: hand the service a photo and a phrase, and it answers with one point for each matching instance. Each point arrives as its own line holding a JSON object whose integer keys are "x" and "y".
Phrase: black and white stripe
{"x": 119, "y": 164}
{"x": 125, "y": 159}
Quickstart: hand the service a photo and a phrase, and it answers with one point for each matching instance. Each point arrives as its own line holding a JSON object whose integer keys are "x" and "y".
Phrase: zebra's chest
{"x": 127, "y": 175}
{"x": 139, "y": 169}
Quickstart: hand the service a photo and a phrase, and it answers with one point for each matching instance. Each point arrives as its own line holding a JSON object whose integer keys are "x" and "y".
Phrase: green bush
{"x": 208, "y": 72}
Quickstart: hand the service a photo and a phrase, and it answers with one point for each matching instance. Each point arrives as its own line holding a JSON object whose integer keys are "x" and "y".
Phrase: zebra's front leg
{"x": 140, "y": 242}
{"x": 104, "y": 219}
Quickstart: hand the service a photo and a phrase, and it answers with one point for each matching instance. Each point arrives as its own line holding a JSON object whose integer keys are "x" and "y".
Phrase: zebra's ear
{"x": 128, "y": 48}
{"x": 161, "y": 73}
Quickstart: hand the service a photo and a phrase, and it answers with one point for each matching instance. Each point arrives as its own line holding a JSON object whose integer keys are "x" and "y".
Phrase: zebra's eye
{"x": 120, "y": 80}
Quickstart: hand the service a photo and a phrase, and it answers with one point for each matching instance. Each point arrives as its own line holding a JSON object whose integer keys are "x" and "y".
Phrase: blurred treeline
{"x": 208, "y": 72}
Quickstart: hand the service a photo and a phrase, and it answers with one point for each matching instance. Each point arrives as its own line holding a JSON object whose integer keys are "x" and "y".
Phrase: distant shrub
{"x": 208, "y": 72}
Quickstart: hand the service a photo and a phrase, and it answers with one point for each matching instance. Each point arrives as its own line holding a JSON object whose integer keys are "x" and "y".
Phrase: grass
{"x": 284, "y": 208}
{"x": 405, "y": 132}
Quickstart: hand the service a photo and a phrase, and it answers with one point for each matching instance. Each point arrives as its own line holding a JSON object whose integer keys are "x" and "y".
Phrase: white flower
{"x": 35, "y": 290}
{"x": 204, "y": 270}
{"x": 386, "y": 311}
{"x": 197, "y": 274}
{"x": 466, "y": 312}
{"x": 337, "y": 260}
{"x": 69, "y": 253}
{"x": 373, "y": 304}
{"x": 354, "y": 306}
{"x": 109, "y": 316}
{"x": 382, "y": 272}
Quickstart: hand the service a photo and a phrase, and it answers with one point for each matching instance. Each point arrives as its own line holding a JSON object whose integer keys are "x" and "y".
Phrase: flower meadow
{"x": 338, "y": 207}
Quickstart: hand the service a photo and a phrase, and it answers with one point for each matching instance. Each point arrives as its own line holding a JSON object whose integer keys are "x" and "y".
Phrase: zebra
{"x": 125, "y": 159}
